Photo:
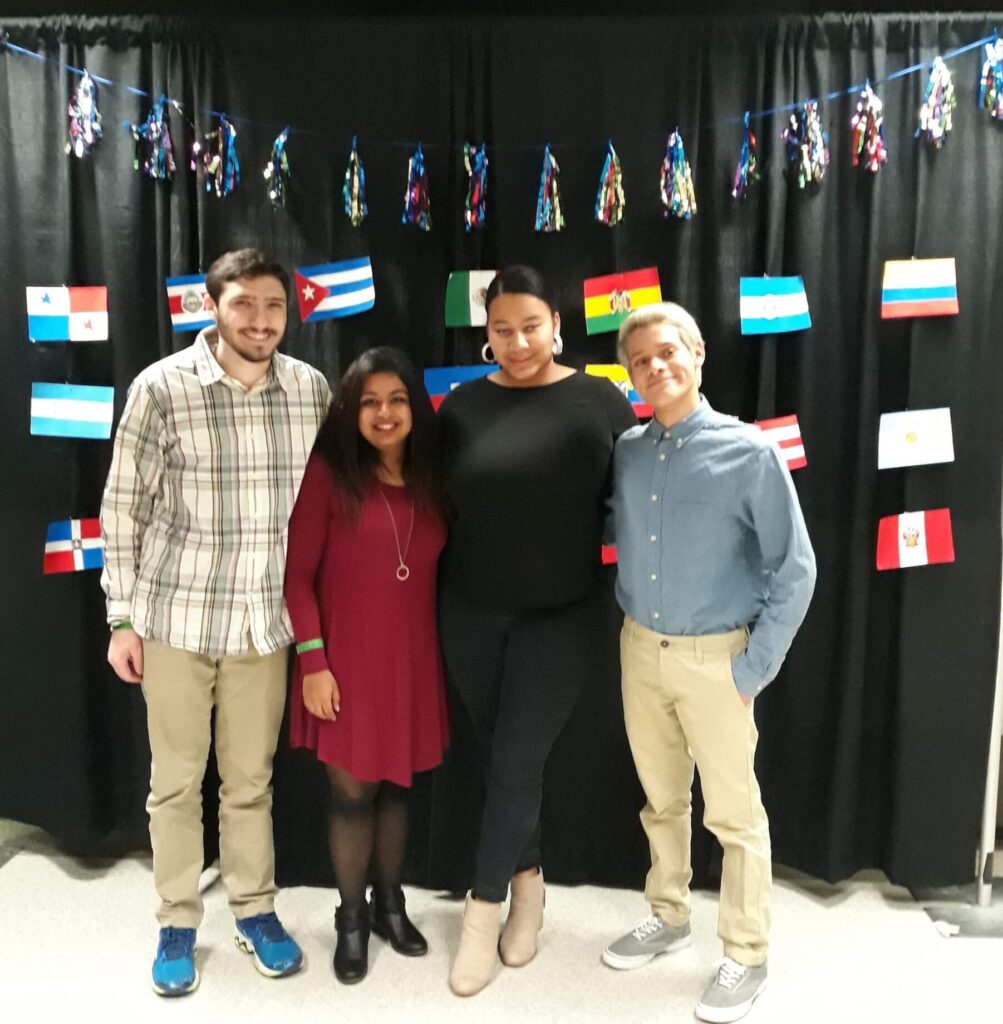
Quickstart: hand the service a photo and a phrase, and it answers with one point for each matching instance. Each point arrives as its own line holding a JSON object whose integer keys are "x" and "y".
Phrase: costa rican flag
{"x": 919, "y": 288}
{"x": 72, "y": 545}
{"x": 773, "y": 305}
{"x": 785, "y": 432}
{"x": 330, "y": 290}
{"x": 440, "y": 380}
{"x": 915, "y": 538}
{"x": 67, "y": 314}
{"x": 187, "y": 300}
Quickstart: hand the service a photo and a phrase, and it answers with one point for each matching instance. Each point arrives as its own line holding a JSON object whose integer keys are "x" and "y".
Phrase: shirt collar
{"x": 209, "y": 371}
{"x": 682, "y": 431}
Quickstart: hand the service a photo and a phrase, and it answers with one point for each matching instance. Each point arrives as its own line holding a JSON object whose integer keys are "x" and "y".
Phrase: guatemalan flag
{"x": 773, "y": 305}
{"x": 71, "y": 410}
{"x": 915, "y": 538}
{"x": 67, "y": 314}
{"x": 72, "y": 545}
{"x": 330, "y": 290}
{"x": 187, "y": 301}
{"x": 919, "y": 288}
{"x": 440, "y": 380}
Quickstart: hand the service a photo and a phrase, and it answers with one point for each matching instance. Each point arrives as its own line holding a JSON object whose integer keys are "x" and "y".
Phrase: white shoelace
{"x": 648, "y": 926}
{"x": 730, "y": 973}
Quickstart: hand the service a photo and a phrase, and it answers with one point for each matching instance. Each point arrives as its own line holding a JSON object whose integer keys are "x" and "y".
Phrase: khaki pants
{"x": 681, "y": 706}
{"x": 248, "y": 692}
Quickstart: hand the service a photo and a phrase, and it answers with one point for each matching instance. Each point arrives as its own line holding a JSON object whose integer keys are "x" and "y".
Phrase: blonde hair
{"x": 659, "y": 313}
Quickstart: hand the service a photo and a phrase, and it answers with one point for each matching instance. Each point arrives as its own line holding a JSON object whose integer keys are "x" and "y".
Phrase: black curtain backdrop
{"x": 875, "y": 737}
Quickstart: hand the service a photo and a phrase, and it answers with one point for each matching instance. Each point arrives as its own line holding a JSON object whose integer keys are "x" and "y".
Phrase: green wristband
{"x": 309, "y": 645}
{"x": 122, "y": 625}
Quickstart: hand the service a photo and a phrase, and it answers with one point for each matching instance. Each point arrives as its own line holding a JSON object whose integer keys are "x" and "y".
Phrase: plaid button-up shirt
{"x": 203, "y": 478}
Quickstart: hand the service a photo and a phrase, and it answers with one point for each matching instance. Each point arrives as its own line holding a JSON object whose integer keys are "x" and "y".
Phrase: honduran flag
{"x": 618, "y": 375}
{"x": 785, "y": 432}
{"x": 915, "y": 538}
{"x": 187, "y": 301}
{"x": 440, "y": 380}
{"x": 71, "y": 410}
{"x": 919, "y": 288}
{"x": 465, "y": 297}
{"x": 67, "y": 314}
{"x": 72, "y": 545}
{"x": 611, "y": 299}
{"x": 773, "y": 305}
{"x": 329, "y": 290}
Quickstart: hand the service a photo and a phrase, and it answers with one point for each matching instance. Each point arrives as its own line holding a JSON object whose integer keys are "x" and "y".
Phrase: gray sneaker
{"x": 642, "y": 944}
{"x": 731, "y": 994}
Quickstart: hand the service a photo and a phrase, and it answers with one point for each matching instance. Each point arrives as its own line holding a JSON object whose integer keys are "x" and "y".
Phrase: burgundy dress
{"x": 380, "y": 637}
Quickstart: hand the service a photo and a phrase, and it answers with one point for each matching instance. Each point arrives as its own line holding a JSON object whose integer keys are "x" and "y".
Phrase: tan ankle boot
{"x": 525, "y": 919}
{"x": 477, "y": 956}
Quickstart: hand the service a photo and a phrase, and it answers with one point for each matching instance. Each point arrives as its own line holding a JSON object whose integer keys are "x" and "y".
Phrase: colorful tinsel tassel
{"x": 807, "y": 145}
{"x": 154, "y": 150}
{"x": 747, "y": 172}
{"x": 548, "y": 203}
{"x": 417, "y": 205}
{"x": 218, "y": 158}
{"x": 936, "y": 115}
{"x": 678, "y": 195}
{"x": 610, "y": 200}
{"x": 277, "y": 172}
{"x": 354, "y": 189}
{"x": 991, "y": 81}
{"x": 475, "y": 160}
{"x": 84, "y": 127}
{"x": 867, "y": 133}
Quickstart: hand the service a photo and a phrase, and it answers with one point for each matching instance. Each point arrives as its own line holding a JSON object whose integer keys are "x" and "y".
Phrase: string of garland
{"x": 610, "y": 201}
{"x": 277, "y": 172}
{"x": 217, "y": 156}
{"x": 549, "y": 216}
{"x": 417, "y": 205}
{"x": 867, "y": 132}
{"x": 154, "y": 150}
{"x": 936, "y": 115}
{"x": 475, "y": 160}
{"x": 991, "y": 80}
{"x": 747, "y": 172}
{"x": 84, "y": 127}
{"x": 678, "y": 195}
{"x": 807, "y": 145}
{"x": 354, "y": 189}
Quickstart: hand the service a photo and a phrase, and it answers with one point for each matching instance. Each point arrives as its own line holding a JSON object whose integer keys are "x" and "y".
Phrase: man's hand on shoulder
{"x": 125, "y": 655}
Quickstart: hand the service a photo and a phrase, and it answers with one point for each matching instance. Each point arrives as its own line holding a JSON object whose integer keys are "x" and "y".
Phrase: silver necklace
{"x": 402, "y": 570}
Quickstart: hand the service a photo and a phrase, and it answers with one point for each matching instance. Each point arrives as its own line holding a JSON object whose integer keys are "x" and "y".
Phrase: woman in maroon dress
{"x": 367, "y": 693}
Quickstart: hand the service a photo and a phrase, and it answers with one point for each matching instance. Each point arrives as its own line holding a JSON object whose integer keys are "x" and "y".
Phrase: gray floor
{"x": 78, "y": 937}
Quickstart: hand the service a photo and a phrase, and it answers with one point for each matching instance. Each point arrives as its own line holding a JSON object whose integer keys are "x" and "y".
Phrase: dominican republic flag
{"x": 465, "y": 293}
{"x": 773, "y": 305}
{"x": 618, "y": 375}
{"x": 186, "y": 299}
{"x": 72, "y": 545}
{"x": 611, "y": 299}
{"x": 920, "y": 437}
{"x": 915, "y": 538}
{"x": 331, "y": 290}
{"x": 440, "y": 380}
{"x": 67, "y": 314}
{"x": 919, "y": 288}
{"x": 71, "y": 410}
{"x": 785, "y": 432}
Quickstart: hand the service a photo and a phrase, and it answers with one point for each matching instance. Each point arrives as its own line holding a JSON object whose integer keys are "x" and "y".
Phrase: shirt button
{"x": 653, "y": 576}
{"x": 654, "y": 497}
{"x": 655, "y": 615}
{"x": 661, "y": 458}
{"x": 654, "y": 537}
{"x": 664, "y": 643}
{"x": 679, "y": 443}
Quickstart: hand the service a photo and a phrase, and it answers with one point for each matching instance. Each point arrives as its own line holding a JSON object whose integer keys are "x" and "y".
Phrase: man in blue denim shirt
{"x": 715, "y": 575}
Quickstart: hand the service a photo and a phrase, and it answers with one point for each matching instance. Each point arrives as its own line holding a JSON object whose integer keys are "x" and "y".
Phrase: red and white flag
{"x": 785, "y": 432}
{"x": 915, "y": 538}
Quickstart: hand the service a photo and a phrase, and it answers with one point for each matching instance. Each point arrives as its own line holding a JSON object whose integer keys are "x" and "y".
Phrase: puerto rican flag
{"x": 330, "y": 290}
{"x": 915, "y": 538}
{"x": 785, "y": 432}
{"x": 72, "y": 545}
{"x": 187, "y": 300}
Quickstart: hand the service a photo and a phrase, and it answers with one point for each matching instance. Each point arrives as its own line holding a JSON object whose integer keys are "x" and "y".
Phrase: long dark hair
{"x": 519, "y": 280}
{"x": 353, "y": 460}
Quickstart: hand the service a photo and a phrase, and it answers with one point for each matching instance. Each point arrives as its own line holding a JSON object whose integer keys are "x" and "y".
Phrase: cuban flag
{"x": 72, "y": 545}
{"x": 71, "y": 410}
{"x": 773, "y": 305}
{"x": 67, "y": 314}
{"x": 785, "y": 432}
{"x": 915, "y": 538}
{"x": 187, "y": 301}
{"x": 919, "y": 288}
{"x": 440, "y": 380}
{"x": 335, "y": 289}
{"x": 618, "y": 376}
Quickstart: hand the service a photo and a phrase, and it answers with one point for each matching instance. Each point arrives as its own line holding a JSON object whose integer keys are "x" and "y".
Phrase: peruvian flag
{"x": 785, "y": 432}
{"x": 915, "y": 538}
{"x": 72, "y": 545}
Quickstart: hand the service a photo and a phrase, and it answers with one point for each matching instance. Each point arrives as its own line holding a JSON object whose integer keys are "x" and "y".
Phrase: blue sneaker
{"x": 275, "y": 951}
{"x": 174, "y": 972}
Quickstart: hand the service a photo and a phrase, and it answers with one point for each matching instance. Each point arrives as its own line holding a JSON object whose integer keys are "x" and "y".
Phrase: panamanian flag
{"x": 440, "y": 380}
{"x": 919, "y": 288}
{"x": 187, "y": 300}
{"x": 773, "y": 305}
{"x": 785, "y": 432}
{"x": 330, "y": 290}
{"x": 72, "y": 545}
{"x": 67, "y": 314}
{"x": 619, "y": 377}
{"x": 915, "y": 538}
{"x": 71, "y": 410}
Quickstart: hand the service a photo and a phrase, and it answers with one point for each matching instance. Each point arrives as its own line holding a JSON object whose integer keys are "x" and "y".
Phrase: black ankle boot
{"x": 351, "y": 954}
{"x": 391, "y": 923}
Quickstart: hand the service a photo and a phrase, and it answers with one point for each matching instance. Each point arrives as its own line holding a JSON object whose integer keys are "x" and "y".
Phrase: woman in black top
{"x": 527, "y": 455}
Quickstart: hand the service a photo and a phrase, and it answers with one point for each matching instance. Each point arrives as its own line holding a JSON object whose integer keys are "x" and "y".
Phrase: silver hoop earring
{"x": 558, "y": 346}
{"x": 487, "y": 354}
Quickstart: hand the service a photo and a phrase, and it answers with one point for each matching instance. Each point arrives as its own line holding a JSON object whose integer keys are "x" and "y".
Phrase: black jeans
{"x": 519, "y": 677}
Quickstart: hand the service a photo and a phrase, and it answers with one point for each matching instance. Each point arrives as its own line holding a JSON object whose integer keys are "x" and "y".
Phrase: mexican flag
{"x": 465, "y": 293}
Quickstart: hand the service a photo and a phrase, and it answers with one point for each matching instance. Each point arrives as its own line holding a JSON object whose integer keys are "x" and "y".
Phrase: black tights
{"x": 368, "y": 835}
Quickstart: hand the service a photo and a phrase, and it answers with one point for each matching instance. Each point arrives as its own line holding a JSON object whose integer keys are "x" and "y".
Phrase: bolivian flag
{"x": 919, "y": 288}
{"x": 609, "y": 300}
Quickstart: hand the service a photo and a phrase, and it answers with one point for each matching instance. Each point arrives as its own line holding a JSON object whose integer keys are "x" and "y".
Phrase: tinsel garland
{"x": 84, "y": 126}
{"x": 216, "y": 154}
{"x": 354, "y": 190}
{"x": 747, "y": 171}
{"x": 610, "y": 201}
{"x": 475, "y": 160}
{"x": 678, "y": 195}
{"x": 936, "y": 114}
{"x": 277, "y": 172}
{"x": 991, "y": 80}
{"x": 807, "y": 145}
{"x": 154, "y": 150}
{"x": 549, "y": 216}
{"x": 867, "y": 132}
{"x": 417, "y": 205}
